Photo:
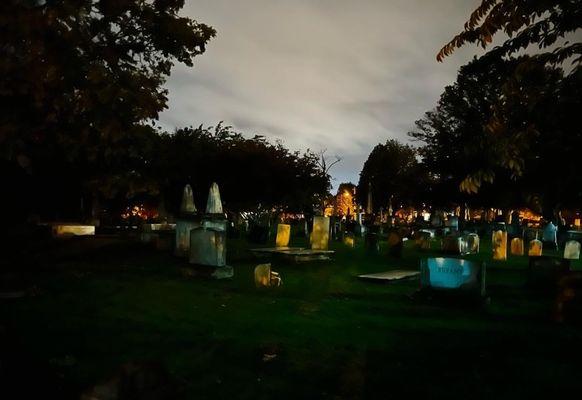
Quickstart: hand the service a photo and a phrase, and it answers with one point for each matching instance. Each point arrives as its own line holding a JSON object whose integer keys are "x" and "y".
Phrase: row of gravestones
{"x": 319, "y": 237}
{"x": 517, "y": 248}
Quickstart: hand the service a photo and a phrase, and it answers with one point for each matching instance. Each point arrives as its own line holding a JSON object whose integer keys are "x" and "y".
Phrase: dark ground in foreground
{"x": 323, "y": 334}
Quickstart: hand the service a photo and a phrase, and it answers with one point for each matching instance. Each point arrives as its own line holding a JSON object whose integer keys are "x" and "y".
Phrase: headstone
{"x": 453, "y": 222}
{"x": 349, "y": 240}
{"x": 283, "y": 235}
{"x": 469, "y": 244}
{"x": 208, "y": 247}
{"x": 517, "y": 247}
{"x": 320, "y": 233}
{"x": 372, "y": 243}
{"x": 572, "y": 250}
{"x": 499, "y": 245}
{"x": 422, "y": 240}
{"x": 187, "y": 206}
{"x": 452, "y": 274}
{"x": 214, "y": 204}
{"x": 451, "y": 244}
{"x": 395, "y": 244}
{"x": 265, "y": 277}
{"x": 535, "y": 248}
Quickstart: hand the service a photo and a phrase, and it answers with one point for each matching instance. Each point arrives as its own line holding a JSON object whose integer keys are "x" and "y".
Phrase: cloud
{"x": 336, "y": 74}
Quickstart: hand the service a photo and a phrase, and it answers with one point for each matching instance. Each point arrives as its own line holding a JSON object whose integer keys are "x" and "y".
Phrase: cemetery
{"x": 298, "y": 202}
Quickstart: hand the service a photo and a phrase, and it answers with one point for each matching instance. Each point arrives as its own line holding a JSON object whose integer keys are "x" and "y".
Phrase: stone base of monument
{"x": 294, "y": 254}
{"x": 182, "y": 240}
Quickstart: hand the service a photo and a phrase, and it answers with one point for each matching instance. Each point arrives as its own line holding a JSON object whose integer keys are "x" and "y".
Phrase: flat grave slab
{"x": 391, "y": 276}
{"x": 295, "y": 254}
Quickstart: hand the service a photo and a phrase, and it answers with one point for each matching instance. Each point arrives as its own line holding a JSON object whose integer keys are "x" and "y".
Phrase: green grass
{"x": 334, "y": 336}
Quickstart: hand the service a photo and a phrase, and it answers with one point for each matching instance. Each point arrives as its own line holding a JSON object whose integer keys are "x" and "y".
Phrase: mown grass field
{"x": 323, "y": 334}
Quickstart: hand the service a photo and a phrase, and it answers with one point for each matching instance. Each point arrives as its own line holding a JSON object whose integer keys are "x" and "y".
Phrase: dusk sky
{"x": 329, "y": 74}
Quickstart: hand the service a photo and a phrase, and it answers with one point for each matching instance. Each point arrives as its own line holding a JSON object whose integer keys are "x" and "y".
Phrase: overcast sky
{"x": 320, "y": 74}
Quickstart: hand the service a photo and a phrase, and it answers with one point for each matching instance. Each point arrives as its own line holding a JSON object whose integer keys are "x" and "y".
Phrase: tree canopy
{"x": 86, "y": 79}
{"x": 551, "y": 26}
{"x": 393, "y": 172}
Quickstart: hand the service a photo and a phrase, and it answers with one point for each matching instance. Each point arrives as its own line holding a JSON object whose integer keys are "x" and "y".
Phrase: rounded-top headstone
{"x": 214, "y": 204}
{"x": 187, "y": 206}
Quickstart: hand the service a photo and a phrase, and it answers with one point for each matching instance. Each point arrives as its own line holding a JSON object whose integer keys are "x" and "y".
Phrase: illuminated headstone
{"x": 283, "y": 235}
{"x": 499, "y": 245}
{"x": 349, "y": 241}
{"x": 214, "y": 204}
{"x": 572, "y": 250}
{"x": 452, "y": 274}
{"x": 64, "y": 230}
{"x": 208, "y": 247}
{"x": 264, "y": 277}
{"x": 320, "y": 233}
{"x": 469, "y": 244}
{"x": 577, "y": 222}
{"x": 535, "y": 248}
{"x": 187, "y": 206}
{"x": 517, "y": 247}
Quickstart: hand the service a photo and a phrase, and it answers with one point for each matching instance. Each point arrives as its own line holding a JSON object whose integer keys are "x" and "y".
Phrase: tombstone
{"x": 422, "y": 240}
{"x": 208, "y": 247}
{"x": 372, "y": 244}
{"x": 187, "y": 206}
{"x": 453, "y": 274}
{"x": 395, "y": 244}
{"x": 469, "y": 244}
{"x": 283, "y": 235}
{"x": 535, "y": 248}
{"x": 572, "y": 250}
{"x": 214, "y": 204}
{"x": 517, "y": 247}
{"x": 320, "y": 233}
{"x": 265, "y": 277}
{"x": 451, "y": 244}
{"x": 499, "y": 245}
{"x": 360, "y": 230}
{"x": 349, "y": 240}
{"x": 453, "y": 222}
{"x": 544, "y": 273}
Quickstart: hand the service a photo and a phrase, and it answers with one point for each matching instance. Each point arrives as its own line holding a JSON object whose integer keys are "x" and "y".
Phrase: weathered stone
{"x": 183, "y": 228}
{"x": 214, "y": 204}
{"x": 208, "y": 247}
{"x": 499, "y": 245}
{"x": 283, "y": 235}
{"x": 320, "y": 233}
{"x": 517, "y": 247}
{"x": 187, "y": 206}
{"x": 572, "y": 250}
{"x": 535, "y": 248}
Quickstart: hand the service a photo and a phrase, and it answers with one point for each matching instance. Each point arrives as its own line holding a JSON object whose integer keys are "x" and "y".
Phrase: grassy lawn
{"x": 331, "y": 335}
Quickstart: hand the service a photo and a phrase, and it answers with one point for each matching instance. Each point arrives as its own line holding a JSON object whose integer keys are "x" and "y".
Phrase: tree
{"x": 251, "y": 172}
{"x": 394, "y": 173}
{"x": 549, "y": 25}
{"x": 459, "y": 141}
{"x": 86, "y": 81}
